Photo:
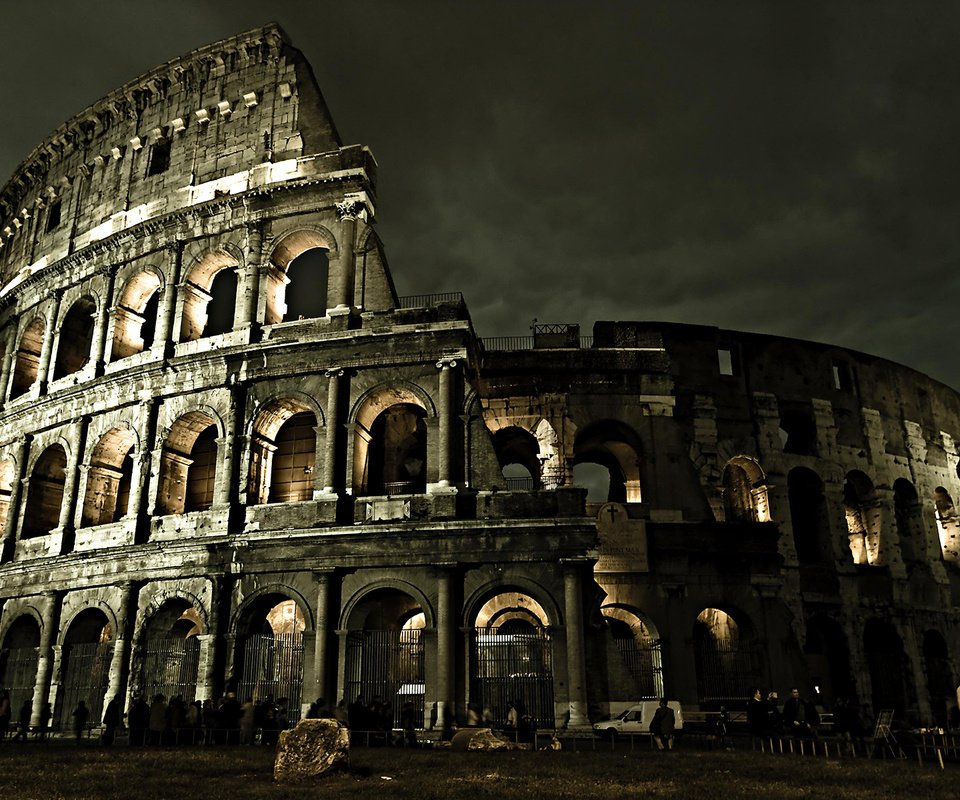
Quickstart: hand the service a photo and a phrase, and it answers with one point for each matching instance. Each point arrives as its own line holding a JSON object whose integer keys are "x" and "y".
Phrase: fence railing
{"x": 506, "y": 343}
{"x": 429, "y": 300}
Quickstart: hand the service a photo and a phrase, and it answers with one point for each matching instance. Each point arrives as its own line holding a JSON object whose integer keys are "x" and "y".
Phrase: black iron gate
{"x": 387, "y": 665}
{"x": 513, "y": 667}
{"x": 18, "y": 667}
{"x": 273, "y": 665}
{"x": 170, "y": 668}
{"x": 724, "y": 670}
{"x": 644, "y": 663}
{"x": 85, "y": 675}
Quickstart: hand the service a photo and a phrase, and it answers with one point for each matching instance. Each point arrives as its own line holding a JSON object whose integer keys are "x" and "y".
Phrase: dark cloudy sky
{"x": 789, "y": 168}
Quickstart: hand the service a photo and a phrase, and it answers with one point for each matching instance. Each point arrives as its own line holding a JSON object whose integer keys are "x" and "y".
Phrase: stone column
{"x": 320, "y": 650}
{"x": 251, "y": 278}
{"x": 333, "y": 421}
{"x": 13, "y": 507}
{"x": 445, "y": 629}
{"x": 46, "y": 349}
{"x": 45, "y": 655}
{"x": 209, "y": 640}
{"x": 68, "y": 506}
{"x": 576, "y": 668}
{"x": 120, "y": 663}
{"x": 164, "y": 336}
{"x": 445, "y": 420}
{"x": 100, "y": 327}
{"x": 9, "y": 351}
{"x": 224, "y": 478}
{"x": 340, "y": 293}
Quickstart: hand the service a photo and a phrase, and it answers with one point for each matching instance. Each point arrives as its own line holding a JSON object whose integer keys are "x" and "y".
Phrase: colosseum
{"x": 233, "y": 459}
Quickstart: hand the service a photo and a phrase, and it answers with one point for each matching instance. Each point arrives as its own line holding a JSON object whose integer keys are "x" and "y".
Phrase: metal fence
{"x": 85, "y": 671}
{"x": 170, "y": 668}
{"x": 429, "y": 300}
{"x": 273, "y": 665}
{"x": 724, "y": 670}
{"x": 643, "y": 661}
{"x": 18, "y": 666}
{"x": 511, "y": 667}
{"x": 387, "y": 665}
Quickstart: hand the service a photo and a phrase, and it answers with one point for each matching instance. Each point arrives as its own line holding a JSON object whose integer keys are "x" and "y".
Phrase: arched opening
{"x": 7, "y": 474}
{"x": 76, "y": 338}
{"x": 84, "y": 666}
{"x": 883, "y": 649}
{"x": 188, "y": 465}
{"x": 828, "y": 661}
{"x": 724, "y": 660}
{"x": 209, "y": 297}
{"x": 615, "y": 447}
{"x": 269, "y": 656}
{"x": 948, "y": 525}
{"x": 169, "y": 652}
{"x": 283, "y": 453}
{"x": 744, "y": 489}
{"x": 939, "y": 674}
{"x": 512, "y": 659}
{"x": 390, "y": 455}
{"x": 809, "y": 516}
{"x": 135, "y": 316}
{"x": 45, "y": 493}
{"x": 518, "y": 453}
{"x": 26, "y": 369}
{"x": 862, "y": 511}
{"x": 19, "y": 659}
{"x": 908, "y": 514}
{"x": 296, "y": 286}
{"x": 108, "y": 479}
{"x": 634, "y": 657}
{"x": 798, "y": 432}
{"x": 385, "y": 660}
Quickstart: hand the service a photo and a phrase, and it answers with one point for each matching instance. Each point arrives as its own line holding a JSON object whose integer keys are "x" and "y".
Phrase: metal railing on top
{"x": 429, "y": 300}
{"x": 501, "y": 343}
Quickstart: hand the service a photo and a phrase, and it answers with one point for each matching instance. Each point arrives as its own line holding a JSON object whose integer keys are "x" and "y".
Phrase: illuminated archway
{"x": 744, "y": 491}
{"x": 135, "y": 315}
{"x": 84, "y": 665}
{"x": 27, "y": 366}
{"x": 616, "y": 448}
{"x": 108, "y": 478}
{"x": 45, "y": 493}
{"x": 724, "y": 658}
{"x": 188, "y": 465}
{"x": 75, "y": 338}
{"x": 209, "y": 296}
{"x": 283, "y": 453}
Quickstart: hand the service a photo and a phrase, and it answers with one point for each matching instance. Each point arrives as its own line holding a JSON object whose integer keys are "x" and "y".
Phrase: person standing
{"x": 5, "y": 713}
{"x": 26, "y": 711}
{"x": 757, "y": 714}
{"x": 80, "y": 716}
{"x": 111, "y": 719}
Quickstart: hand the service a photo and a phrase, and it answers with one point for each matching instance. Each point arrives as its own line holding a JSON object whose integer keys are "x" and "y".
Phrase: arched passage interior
{"x": 84, "y": 666}
{"x": 76, "y": 338}
{"x": 170, "y": 651}
{"x": 45, "y": 493}
{"x": 18, "y": 660}
{"x": 612, "y": 447}
{"x": 108, "y": 479}
{"x": 724, "y": 658}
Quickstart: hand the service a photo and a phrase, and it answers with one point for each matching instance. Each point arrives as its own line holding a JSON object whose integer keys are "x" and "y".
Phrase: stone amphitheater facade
{"x": 232, "y": 459}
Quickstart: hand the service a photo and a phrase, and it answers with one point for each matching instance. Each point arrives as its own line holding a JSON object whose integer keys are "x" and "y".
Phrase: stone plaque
{"x": 623, "y": 541}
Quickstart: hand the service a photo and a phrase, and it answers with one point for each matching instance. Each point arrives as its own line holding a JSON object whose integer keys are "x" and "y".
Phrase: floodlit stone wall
{"x": 225, "y": 441}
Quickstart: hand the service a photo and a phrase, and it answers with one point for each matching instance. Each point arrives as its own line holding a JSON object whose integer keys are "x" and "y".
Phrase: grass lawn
{"x": 59, "y": 771}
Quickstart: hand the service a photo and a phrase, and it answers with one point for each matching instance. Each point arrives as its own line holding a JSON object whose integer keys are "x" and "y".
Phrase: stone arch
{"x": 725, "y": 656}
{"x": 45, "y": 492}
{"x": 283, "y": 450}
{"x": 109, "y": 476}
{"x": 296, "y": 257}
{"x": 135, "y": 314}
{"x": 512, "y": 583}
{"x": 188, "y": 463}
{"x": 207, "y": 306}
{"x": 939, "y": 675}
{"x": 75, "y": 337}
{"x": 26, "y": 369}
{"x": 908, "y": 515}
{"x": 8, "y": 474}
{"x": 809, "y": 516}
{"x": 828, "y": 660}
{"x": 349, "y": 612}
{"x": 744, "y": 487}
{"x": 615, "y": 447}
{"x": 269, "y": 652}
{"x": 862, "y": 510}
{"x": 160, "y": 598}
{"x": 633, "y": 655}
{"x": 948, "y": 524}
{"x": 886, "y": 662}
{"x": 19, "y": 657}
{"x": 87, "y": 643}
{"x": 167, "y": 649}
{"x": 390, "y": 440}
{"x": 519, "y": 449}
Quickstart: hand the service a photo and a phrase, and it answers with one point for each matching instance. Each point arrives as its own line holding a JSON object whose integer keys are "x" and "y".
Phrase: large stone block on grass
{"x": 482, "y": 739}
{"x": 312, "y": 748}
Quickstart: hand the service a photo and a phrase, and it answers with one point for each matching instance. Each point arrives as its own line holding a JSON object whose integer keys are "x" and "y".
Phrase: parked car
{"x": 637, "y": 718}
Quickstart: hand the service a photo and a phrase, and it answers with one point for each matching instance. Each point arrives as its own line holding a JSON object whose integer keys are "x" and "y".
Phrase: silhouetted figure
{"x": 139, "y": 721}
{"x": 111, "y": 719}
{"x": 800, "y": 716}
{"x": 408, "y": 720}
{"x": 80, "y": 716}
{"x": 757, "y": 714}
{"x": 6, "y": 711}
{"x": 774, "y": 717}
{"x": 158, "y": 719}
{"x": 46, "y": 714}
{"x": 662, "y": 725}
{"x": 26, "y": 711}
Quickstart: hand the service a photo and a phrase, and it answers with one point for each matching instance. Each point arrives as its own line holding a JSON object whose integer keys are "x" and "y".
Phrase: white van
{"x": 636, "y": 719}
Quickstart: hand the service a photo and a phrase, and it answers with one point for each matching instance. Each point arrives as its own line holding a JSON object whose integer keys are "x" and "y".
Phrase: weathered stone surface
{"x": 314, "y": 747}
{"x": 479, "y": 739}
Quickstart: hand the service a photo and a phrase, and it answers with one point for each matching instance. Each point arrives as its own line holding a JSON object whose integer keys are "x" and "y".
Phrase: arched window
{"x": 725, "y": 670}
{"x": 390, "y": 444}
{"x": 863, "y": 518}
{"x": 948, "y": 526}
{"x": 909, "y": 518}
{"x": 798, "y": 431}
{"x": 518, "y": 451}
{"x": 135, "y": 316}
{"x": 108, "y": 479}
{"x": 296, "y": 285}
{"x": 294, "y": 459}
{"x": 808, "y": 514}
{"x": 188, "y": 465}
{"x": 76, "y": 338}
{"x": 45, "y": 493}
{"x": 26, "y": 369}
{"x": 635, "y": 668}
{"x": 744, "y": 491}
{"x": 616, "y": 448}
{"x": 202, "y": 473}
{"x": 209, "y": 297}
